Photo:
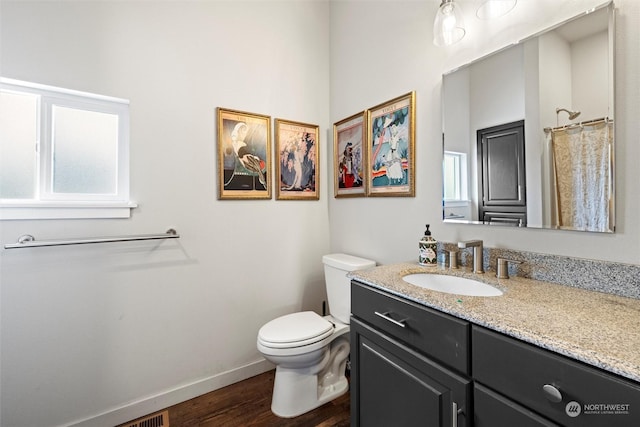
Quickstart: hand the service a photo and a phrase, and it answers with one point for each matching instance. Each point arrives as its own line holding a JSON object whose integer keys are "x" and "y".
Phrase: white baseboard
{"x": 149, "y": 405}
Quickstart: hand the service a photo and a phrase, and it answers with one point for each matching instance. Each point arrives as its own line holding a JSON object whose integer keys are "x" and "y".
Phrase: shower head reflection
{"x": 572, "y": 114}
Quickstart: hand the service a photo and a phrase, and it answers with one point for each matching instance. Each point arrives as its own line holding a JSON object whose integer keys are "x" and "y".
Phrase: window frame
{"x": 462, "y": 179}
{"x": 46, "y": 204}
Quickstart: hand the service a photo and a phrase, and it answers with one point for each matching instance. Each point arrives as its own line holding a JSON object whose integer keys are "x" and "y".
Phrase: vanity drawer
{"x": 587, "y": 396}
{"x": 491, "y": 409}
{"x": 437, "y": 335}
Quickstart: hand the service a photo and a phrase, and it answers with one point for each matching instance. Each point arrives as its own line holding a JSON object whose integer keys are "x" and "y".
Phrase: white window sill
{"x": 65, "y": 210}
{"x": 456, "y": 203}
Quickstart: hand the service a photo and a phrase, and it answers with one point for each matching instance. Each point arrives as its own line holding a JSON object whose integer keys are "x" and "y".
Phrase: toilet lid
{"x": 295, "y": 327}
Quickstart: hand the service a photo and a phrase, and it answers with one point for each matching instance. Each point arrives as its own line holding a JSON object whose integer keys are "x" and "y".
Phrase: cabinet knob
{"x": 552, "y": 393}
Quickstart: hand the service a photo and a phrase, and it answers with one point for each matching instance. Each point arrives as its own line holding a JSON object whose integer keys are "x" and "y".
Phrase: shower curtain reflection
{"x": 582, "y": 161}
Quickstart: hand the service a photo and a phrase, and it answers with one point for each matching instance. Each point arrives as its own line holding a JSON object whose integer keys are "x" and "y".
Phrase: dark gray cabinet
{"x": 393, "y": 382}
{"x": 562, "y": 390}
{"x": 415, "y": 366}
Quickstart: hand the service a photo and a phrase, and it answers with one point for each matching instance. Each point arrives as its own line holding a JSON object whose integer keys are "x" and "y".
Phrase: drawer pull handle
{"x": 386, "y": 317}
{"x": 454, "y": 415}
{"x": 552, "y": 393}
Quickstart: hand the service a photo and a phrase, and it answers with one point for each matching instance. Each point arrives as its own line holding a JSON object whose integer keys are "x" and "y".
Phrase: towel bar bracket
{"x": 26, "y": 238}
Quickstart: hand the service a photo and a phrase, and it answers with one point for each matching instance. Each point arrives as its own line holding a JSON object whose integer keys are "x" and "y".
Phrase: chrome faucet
{"x": 477, "y": 254}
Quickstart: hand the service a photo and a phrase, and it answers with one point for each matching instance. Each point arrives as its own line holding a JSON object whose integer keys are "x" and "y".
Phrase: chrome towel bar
{"x": 28, "y": 241}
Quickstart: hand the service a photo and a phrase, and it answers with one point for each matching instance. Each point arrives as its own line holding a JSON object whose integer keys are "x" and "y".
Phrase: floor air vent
{"x": 161, "y": 419}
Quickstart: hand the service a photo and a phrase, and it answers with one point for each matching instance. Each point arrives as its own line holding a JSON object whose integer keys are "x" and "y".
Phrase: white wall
{"x": 496, "y": 97}
{"x": 555, "y": 79}
{"x": 124, "y": 329}
{"x": 456, "y": 127}
{"x": 456, "y": 111}
{"x": 383, "y": 49}
{"x": 566, "y": 70}
{"x": 497, "y": 90}
{"x": 589, "y": 59}
{"x": 533, "y": 153}
{"x": 554, "y": 56}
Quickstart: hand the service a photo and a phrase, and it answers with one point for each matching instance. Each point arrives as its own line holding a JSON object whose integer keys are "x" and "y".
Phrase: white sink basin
{"x": 452, "y": 285}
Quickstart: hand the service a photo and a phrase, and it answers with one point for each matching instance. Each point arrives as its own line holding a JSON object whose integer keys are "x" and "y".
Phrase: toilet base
{"x": 297, "y": 391}
{"x": 301, "y": 393}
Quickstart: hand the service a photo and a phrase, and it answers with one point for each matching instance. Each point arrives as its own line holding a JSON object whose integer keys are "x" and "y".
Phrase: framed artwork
{"x": 349, "y": 156}
{"x": 244, "y": 155}
{"x": 297, "y": 161}
{"x": 391, "y": 148}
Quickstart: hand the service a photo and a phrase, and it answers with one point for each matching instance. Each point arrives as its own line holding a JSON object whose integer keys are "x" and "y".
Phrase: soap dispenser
{"x": 428, "y": 249}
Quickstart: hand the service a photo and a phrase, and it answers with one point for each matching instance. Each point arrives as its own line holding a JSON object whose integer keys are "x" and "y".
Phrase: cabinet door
{"x": 392, "y": 385}
{"x": 501, "y": 170}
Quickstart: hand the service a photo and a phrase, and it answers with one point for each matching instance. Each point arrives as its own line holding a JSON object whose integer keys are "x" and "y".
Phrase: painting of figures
{"x": 349, "y": 156}
{"x": 244, "y": 153}
{"x": 391, "y": 132}
{"x": 297, "y": 162}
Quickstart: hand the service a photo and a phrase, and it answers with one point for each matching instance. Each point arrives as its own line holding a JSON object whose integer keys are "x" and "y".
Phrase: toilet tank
{"x": 336, "y": 267}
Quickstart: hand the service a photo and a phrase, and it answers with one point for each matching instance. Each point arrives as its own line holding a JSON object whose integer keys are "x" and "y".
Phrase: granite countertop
{"x": 596, "y": 328}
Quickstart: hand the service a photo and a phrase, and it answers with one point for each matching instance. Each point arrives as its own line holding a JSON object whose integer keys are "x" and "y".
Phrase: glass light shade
{"x": 448, "y": 27}
{"x": 490, "y": 9}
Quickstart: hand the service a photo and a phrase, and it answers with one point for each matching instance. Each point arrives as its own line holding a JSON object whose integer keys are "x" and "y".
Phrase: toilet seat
{"x": 295, "y": 330}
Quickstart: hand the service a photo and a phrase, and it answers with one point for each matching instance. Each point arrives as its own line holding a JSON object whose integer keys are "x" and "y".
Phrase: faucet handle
{"x": 469, "y": 244}
{"x": 453, "y": 259}
{"x": 502, "y": 267}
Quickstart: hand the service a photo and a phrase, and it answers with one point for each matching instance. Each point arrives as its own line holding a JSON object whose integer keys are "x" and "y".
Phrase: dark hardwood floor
{"x": 248, "y": 403}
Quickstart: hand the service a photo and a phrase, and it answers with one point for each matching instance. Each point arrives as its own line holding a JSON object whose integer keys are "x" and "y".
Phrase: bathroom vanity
{"x": 541, "y": 354}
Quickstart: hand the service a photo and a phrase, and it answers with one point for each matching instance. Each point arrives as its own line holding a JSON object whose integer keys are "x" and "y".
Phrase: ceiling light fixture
{"x": 448, "y": 27}
{"x": 490, "y": 9}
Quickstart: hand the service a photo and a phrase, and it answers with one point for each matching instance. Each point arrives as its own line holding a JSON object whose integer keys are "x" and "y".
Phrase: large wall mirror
{"x": 528, "y": 131}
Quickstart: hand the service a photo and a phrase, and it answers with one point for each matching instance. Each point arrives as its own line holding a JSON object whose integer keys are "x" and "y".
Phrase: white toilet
{"x": 310, "y": 351}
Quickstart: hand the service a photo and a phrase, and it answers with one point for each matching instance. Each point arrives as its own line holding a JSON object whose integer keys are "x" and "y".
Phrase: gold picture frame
{"x": 297, "y": 160}
{"x": 350, "y": 156}
{"x": 391, "y": 147}
{"x": 244, "y": 155}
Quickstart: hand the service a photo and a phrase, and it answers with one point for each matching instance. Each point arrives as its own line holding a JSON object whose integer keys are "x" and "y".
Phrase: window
{"x": 455, "y": 176}
{"x": 63, "y": 153}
